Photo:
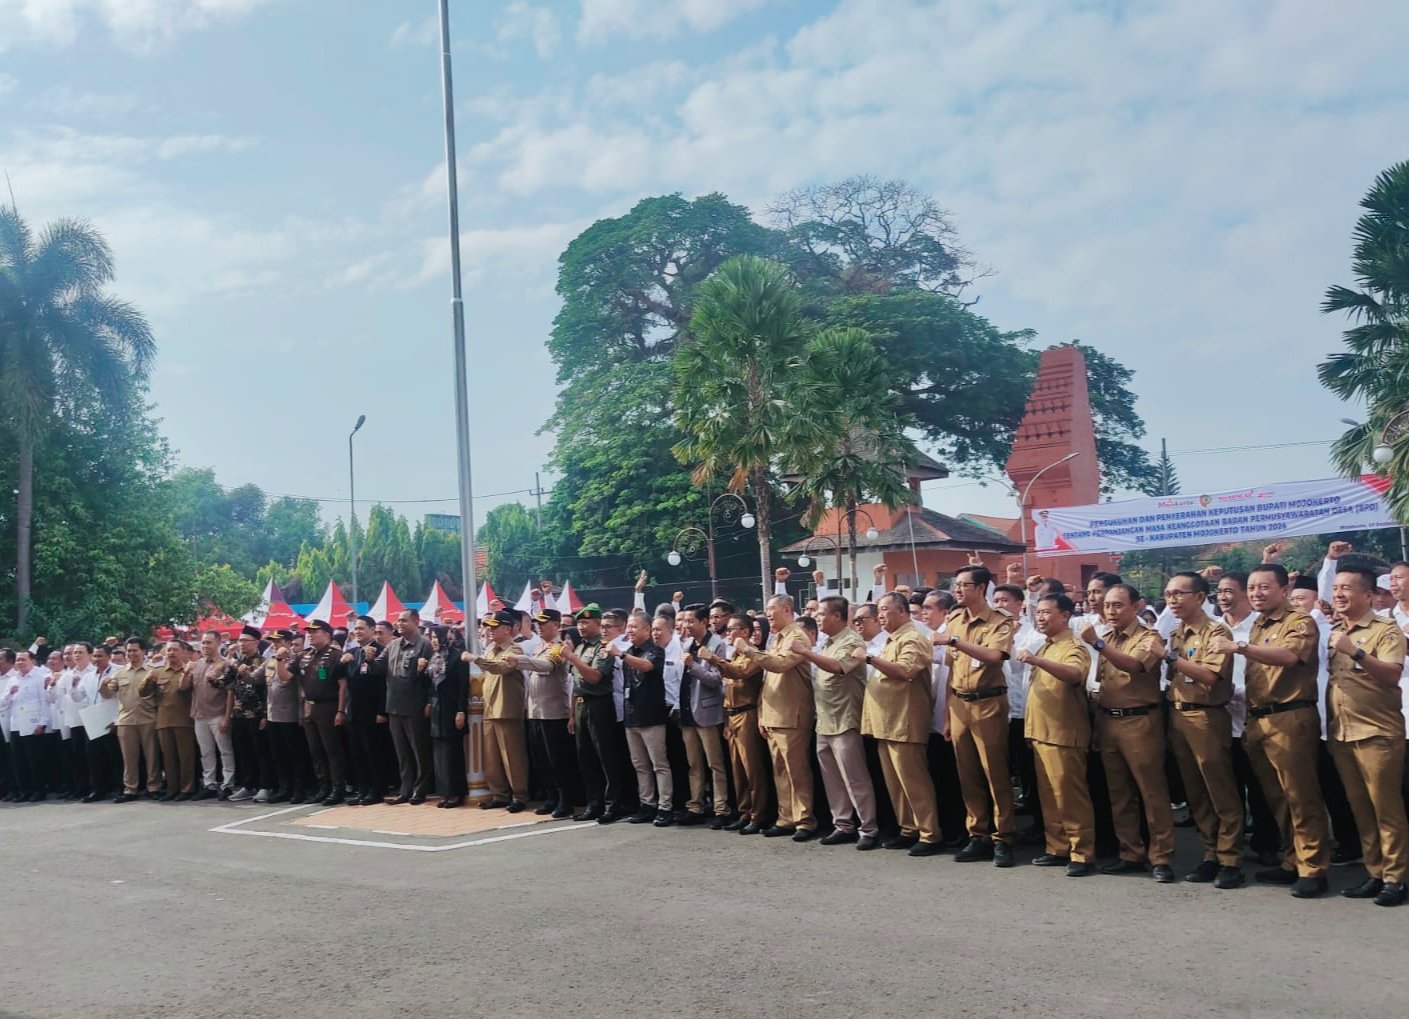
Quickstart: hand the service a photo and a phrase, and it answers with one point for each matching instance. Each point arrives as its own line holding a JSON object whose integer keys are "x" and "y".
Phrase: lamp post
{"x": 871, "y": 535}
{"x": 1383, "y": 454}
{"x": 352, "y": 503}
{"x": 687, "y": 542}
{"x": 1022, "y": 501}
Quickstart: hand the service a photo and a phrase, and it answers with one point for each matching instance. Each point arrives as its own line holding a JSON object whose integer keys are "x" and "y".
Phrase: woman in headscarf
{"x": 449, "y": 703}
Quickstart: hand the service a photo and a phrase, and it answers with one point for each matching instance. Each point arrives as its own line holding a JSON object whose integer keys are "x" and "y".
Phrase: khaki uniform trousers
{"x": 792, "y": 776}
{"x": 1068, "y": 819}
{"x": 1372, "y": 770}
{"x": 1283, "y": 749}
{"x": 506, "y": 759}
{"x": 1132, "y": 753}
{"x": 178, "y": 758}
{"x": 905, "y": 767}
{"x": 1202, "y": 742}
{"x": 138, "y": 742}
{"x": 981, "y": 753}
{"x": 703, "y": 749}
{"x": 748, "y": 759}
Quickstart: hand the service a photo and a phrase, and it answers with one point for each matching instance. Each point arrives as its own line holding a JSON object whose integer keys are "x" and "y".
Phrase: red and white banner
{"x": 1245, "y": 514}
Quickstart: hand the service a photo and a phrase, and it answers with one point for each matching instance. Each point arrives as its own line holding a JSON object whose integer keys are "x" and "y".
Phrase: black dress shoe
{"x": 663, "y": 819}
{"x": 1269, "y": 858}
{"x": 167, "y": 798}
{"x": 900, "y": 842}
{"x": 1367, "y": 889}
{"x": 453, "y": 802}
{"x": 1050, "y": 860}
{"x": 92, "y": 798}
{"x": 225, "y": 792}
{"x": 839, "y": 838}
{"x": 590, "y": 814}
{"x": 609, "y": 817}
{"x": 735, "y": 824}
{"x": 778, "y": 832}
{"x": 643, "y": 816}
{"x": 957, "y": 842}
{"x": 868, "y": 842}
{"x": 925, "y": 849}
{"x": 1393, "y": 893}
{"x": 124, "y": 797}
{"x": 1075, "y": 869}
{"x": 975, "y": 850}
{"x": 1344, "y": 856}
{"x": 1276, "y": 876}
{"x": 1122, "y": 867}
{"x": 1031, "y": 837}
{"x": 1163, "y": 874}
{"x": 490, "y": 804}
{"x": 720, "y": 822}
{"x": 337, "y": 800}
{"x": 689, "y": 818}
{"x": 1309, "y": 887}
{"x": 403, "y": 798}
{"x": 1203, "y": 873}
{"x": 804, "y": 834}
{"x": 753, "y": 828}
{"x": 1229, "y": 877}
{"x": 416, "y": 800}
{"x": 1002, "y": 854}
{"x": 543, "y": 809}
{"x": 561, "y": 814}
{"x": 514, "y": 807}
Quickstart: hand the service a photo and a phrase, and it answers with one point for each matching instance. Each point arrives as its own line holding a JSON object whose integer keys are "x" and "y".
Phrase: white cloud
{"x": 140, "y": 25}
{"x": 425, "y": 32}
{"x": 7, "y": 82}
{"x": 656, "y": 19}
{"x": 522, "y": 20}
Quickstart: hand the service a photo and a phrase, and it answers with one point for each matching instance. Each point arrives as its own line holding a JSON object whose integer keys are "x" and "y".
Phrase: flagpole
{"x": 457, "y": 306}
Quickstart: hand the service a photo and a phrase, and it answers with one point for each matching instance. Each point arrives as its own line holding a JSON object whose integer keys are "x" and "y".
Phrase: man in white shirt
{"x": 77, "y": 690}
{"x": 1010, "y": 598}
{"x": 1237, "y": 614}
{"x": 614, "y": 635}
{"x": 26, "y": 701}
{"x": 944, "y": 771}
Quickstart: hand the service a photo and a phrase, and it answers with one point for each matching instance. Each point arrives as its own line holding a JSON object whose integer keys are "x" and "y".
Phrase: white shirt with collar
{"x": 1238, "y": 706}
{"x": 1323, "y": 673}
{"x": 1028, "y": 638}
{"x": 618, "y": 679}
{"x": 25, "y": 694}
{"x": 1402, "y": 618}
{"x": 939, "y": 681}
{"x": 1103, "y": 630}
{"x": 673, "y": 672}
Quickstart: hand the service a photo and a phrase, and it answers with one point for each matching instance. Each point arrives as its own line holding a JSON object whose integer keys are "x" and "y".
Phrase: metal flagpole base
{"x": 474, "y": 752}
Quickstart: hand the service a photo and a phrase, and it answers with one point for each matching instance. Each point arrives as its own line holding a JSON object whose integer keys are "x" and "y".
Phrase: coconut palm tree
{"x": 1374, "y": 367}
{"x": 743, "y": 398}
{"x": 63, "y": 341}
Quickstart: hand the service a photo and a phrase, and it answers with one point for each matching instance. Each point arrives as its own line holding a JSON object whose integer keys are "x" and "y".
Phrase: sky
{"x": 1173, "y": 183}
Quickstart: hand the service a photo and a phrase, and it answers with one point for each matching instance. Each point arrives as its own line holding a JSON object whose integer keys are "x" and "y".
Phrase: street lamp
{"x": 804, "y": 560}
{"x": 688, "y": 541}
{"x": 1022, "y": 501}
{"x": 352, "y": 502}
{"x": 1383, "y": 454}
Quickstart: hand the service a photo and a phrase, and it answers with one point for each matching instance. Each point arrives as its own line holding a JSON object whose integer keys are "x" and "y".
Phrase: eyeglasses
{"x": 1179, "y": 594}
{"x": 958, "y": 584}
{"x": 865, "y": 619}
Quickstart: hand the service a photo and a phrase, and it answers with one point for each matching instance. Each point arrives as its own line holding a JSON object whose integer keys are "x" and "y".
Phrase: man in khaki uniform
{"x": 176, "y": 731}
{"x": 980, "y": 641}
{"x": 135, "y": 688}
{"x": 897, "y": 712}
{"x": 1201, "y": 730}
{"x": 839, "y": 692}
{"x": 1283, "y": 730}
{"x": 1365, "y": 724}
{"x": 1130, "y": 731}
{"x": 1059, "y": 729}
{"x": 748, "y": 753}
{"x": 505, "y": 745}
{"x": 786, "y": 717}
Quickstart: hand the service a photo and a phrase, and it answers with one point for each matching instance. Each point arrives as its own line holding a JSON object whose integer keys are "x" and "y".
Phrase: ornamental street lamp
{"x": 352, "y": 502}
{"x": 732, "y": 509}
{"x": 1022, "y": 501}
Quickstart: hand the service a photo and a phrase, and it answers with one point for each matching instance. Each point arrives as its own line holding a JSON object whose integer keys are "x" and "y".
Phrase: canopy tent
{"x": 280, "y": 617}
{"x": 332, "y": 608}
{"x": 528, "y": 601}
{"x": 219, "y": 622}
{"x": 487, "y": 601}
{"x": 569, "y": 604}
{"x": 271, "y": 594}
{"x": 387, "y": 606}
{"x": 438, "y": 608}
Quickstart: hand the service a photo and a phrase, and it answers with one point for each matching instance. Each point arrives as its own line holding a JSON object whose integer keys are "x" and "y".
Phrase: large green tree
{"x": 1374, "y": 366}
{"x": 64, "y": 341}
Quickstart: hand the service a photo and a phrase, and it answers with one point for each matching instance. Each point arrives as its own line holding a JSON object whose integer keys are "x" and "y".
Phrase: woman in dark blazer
{"x": 450, "y": 700}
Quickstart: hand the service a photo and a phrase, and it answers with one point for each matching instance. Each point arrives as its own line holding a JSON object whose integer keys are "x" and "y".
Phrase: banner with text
{"x": 1246, "y": 514}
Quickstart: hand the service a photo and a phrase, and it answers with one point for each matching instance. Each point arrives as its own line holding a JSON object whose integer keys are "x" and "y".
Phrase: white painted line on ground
{"x": 328, "y": 827}
{"x": 251, "y": 820}
{"x": 230, "y": 829}
{"x": 381, "y": 831}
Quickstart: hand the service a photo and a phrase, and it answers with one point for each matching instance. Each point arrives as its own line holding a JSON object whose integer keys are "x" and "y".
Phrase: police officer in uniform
{"x": 1201, "y": 730}
{"x": 319, "y": 672}
{"x": 1365, "y": 722}
{"x": 980, "y": 641}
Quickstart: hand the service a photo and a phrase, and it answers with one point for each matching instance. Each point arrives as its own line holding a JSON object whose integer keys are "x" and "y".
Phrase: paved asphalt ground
{"x": 632, "y": 921}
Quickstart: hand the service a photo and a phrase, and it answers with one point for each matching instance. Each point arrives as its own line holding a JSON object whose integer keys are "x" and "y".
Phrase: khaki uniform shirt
{"x": 900, "y": 710}
{"x": 1358, "y": 707}
{"x": 787, "y": 681}
{"x": 173, "y": 703}
{"x": 1277, "y": 684}
{"x": 1056, "y": 711}
{"x": 839, "y": 696}
{"x": 743, "y": 683}
{"x": 548, "y": 685}
{"x": 136, "y": 694}
{"x": 1121, "y": 689}
{"x": 504, "y": 687}
{"x": 210, "y": 682}
{"x": 988, "y": 627}
{"x": 1193, "y": 642}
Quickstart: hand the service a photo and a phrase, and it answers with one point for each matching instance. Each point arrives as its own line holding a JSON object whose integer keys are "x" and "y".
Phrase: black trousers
{"x": 449, "y": 755}
{"x": 77, "y": 747}
{"x": 598, "y": 752}
{"x": 551, "y": 736}
{"x": 885, "y": 810}
{"x": 55, "y": 762}
{"x": 365, "y": 763}
{"x": 254, "y": 758}
{"x": 287, "y": 746}
{"x": 22, "y": 778}
{"x": 948, "y": 798}
{"x": 411, "y": 735}
{"x": 325, "y": 746}
{"x": 104, "y": 764}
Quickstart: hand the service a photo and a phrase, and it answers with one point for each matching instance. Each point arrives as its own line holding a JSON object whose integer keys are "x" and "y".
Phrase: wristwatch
{"x": 1171, "y": 657}
{"x": 1242, "y": 645}
{"x": 1100, "y": 645}
{"x": 953, "y": 641}
{"x": 1359, "y": 655}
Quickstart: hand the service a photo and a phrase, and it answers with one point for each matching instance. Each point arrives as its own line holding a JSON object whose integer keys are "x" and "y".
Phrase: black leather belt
{"x": 979, "y": 695}
{"x": 1143, "y": 709}
{"x": 1276, "y": 709}
{"x": 739, "y": 711}
{"x": 1187, "y": 706}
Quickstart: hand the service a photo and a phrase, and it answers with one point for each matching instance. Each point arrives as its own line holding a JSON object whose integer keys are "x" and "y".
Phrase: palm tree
{"x": 63, "y": 339}
{"x": 865, "y": 452}
{"x": 742, "y": 397}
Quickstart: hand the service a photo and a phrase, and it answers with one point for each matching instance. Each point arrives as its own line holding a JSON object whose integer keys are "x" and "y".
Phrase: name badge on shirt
{"x": 975, "y": 663}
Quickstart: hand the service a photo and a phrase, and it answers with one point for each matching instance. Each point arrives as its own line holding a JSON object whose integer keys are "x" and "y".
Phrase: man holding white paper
{"x": 27, "y": 703}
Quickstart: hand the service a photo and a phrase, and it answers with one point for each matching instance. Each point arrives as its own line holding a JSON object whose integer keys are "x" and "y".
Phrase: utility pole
{"x": 538, "y": 498}
{"x": 1164, "y": 488}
